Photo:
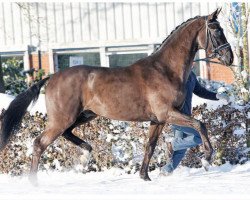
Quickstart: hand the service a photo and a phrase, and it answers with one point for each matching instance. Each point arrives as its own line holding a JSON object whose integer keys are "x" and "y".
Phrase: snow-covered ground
{"x": 224, "y": 182}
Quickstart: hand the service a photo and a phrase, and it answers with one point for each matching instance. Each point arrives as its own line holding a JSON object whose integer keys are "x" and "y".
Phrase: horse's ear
{"x": 214, "y": 15}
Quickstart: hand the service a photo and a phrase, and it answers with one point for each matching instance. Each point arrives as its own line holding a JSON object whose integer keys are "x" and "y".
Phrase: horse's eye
{"x": 218, "y": 32}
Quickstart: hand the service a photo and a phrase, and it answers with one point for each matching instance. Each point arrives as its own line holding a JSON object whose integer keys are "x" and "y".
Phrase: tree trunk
{"x": 245, "y": 36}
{"x": 245, "y": 54}
{"x": 2, "y": 88}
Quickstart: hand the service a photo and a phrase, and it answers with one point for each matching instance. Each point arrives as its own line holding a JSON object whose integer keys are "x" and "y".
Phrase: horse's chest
{"x": 165, "y": 98}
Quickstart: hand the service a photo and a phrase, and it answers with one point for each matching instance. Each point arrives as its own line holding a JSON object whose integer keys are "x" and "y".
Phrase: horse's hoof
{"x": 33, "y": 180}
{"x": 85, "y": 157}
{"x": 145, "y": 177}
{"x": 205, "y": 164}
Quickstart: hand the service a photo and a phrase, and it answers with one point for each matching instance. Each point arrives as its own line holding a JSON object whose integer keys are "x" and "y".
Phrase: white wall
{"x": 73, "y": 25}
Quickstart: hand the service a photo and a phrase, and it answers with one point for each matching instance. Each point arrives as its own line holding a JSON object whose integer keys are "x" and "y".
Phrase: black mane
{"x": 176, "y": 28}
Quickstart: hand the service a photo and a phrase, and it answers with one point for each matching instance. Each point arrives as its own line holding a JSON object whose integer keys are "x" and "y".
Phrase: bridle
{"x": 216, "y": 49}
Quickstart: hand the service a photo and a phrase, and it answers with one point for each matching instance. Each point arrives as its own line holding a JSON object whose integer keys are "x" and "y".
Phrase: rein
{"x": 208, "y": 60}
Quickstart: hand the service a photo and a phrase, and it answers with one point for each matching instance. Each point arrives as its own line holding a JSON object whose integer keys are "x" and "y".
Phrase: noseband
{"x": 216, "y": 49}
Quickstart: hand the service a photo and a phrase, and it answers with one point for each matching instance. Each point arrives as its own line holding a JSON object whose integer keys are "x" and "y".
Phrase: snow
{"x": 224, "y": 182}
{"x": 39, "y": 106}
{"x": 221, "y": 89}
{"x": 196, "y": 101}
{"x": 239, "y": 132}
{"x": 5, "y": 100}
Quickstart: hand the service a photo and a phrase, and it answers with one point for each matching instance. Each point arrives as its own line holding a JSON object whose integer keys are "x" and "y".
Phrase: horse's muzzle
{"x": 227, "y": 58}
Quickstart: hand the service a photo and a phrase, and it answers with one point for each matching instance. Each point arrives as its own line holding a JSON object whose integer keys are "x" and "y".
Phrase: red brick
{"x": 219, "y": 72}
{"x": 34, "y": 62}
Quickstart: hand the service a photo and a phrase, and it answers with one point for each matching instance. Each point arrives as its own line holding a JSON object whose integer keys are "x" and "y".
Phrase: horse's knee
{"x": 38, "y": 147}
{"x": 41, "y": 143}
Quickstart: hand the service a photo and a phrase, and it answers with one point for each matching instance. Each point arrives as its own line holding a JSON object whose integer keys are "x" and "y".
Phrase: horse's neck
{"x": 178, "y": 52}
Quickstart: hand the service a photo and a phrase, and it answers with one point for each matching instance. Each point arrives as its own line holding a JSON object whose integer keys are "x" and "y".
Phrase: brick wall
{"x": 219, "y": 72}
{"x": 34, "y": 62}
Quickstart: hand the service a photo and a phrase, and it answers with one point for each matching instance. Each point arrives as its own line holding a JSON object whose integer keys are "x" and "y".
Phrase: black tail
{"x": 12, "y": 117}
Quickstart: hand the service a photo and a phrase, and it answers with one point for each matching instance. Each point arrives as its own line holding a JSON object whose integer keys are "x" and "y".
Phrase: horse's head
{"x": 213, "y": 40}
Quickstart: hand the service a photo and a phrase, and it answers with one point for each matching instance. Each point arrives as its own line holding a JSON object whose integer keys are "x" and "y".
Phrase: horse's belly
{"x": 122, "y": 108}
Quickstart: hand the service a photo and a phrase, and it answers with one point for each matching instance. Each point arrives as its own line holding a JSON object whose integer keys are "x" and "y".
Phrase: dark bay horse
{"x": 152, "y": 89}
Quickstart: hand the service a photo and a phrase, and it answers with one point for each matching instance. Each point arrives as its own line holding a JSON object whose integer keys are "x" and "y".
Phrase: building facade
{"x": 54, "y": 36}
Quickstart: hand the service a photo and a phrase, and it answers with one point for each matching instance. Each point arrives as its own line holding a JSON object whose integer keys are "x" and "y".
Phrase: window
{"x": 121, "y": 60}
{"x": 13, "y": 76}
{"x": 6, "y": 58}
{"x": 72, "y": 59}
{"x": 12, "y": 64}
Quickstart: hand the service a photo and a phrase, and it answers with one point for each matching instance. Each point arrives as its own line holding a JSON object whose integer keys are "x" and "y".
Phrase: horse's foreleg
{"x": 175, "y": 117}
{"x": 154, "y": 132}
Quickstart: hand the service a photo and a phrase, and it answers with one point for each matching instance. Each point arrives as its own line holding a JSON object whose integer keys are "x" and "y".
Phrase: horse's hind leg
{"x": 81, "y": 119}
{"x": 40, "y": 144}
{"x": 56, "y": 126}
{"x": 51, "y": 133}
{"x": 154, "y": 132}
{"x": 84, "y": 117}
{"x": 76, "y": 140}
